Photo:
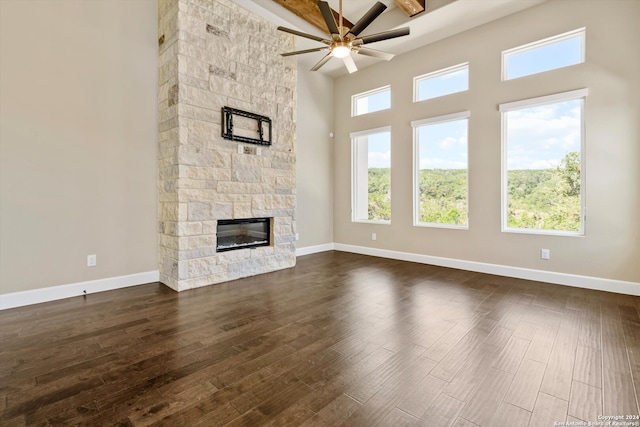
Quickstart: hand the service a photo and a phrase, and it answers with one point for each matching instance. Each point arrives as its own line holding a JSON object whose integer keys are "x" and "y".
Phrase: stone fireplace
{"x": 214, "y": 54}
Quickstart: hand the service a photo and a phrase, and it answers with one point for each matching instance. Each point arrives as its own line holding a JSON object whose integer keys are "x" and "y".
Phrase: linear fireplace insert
{"x": 243, "y": 233}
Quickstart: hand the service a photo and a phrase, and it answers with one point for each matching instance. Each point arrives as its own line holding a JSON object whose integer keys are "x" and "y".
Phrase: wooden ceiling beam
{"x": 309, "y": 11}
{"x": 411, "y": 7}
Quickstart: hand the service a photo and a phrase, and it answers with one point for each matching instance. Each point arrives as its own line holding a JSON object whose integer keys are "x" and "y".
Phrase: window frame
{"x": 416, "y": 124}
{"x": 580, "y": 32}
{"x": 438, "y": 73}
{"x": 357, "y": 96}
{"x": 354, "y": 168}
{"x": 578, "y": 94}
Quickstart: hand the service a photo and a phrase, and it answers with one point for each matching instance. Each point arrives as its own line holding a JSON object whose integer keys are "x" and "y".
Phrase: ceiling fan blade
{"x": 322, "y": 62}
{"x": 329, "y": 19}
{"x": 298, "y": 52}
{"x": 308, "y": 36}
{"x": 386, "y": 35}
{"x": 374, "y": 53}
{"x": 368, "y": 18}
{"x": 348, "y": 62}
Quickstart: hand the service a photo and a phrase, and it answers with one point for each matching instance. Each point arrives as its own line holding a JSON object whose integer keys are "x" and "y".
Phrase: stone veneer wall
{"x": 213, "y": 53}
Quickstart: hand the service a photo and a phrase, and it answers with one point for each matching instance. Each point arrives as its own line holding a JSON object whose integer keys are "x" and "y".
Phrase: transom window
{"x": 371, "y": 175}
{"x": 543, "y": 173}
{"x": 371, "y": 101}
{"x": 544, "y": 55}
{"x": 442, "y": 82}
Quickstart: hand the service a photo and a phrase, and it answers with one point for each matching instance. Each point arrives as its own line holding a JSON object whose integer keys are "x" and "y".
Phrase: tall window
{"x": 440, "y": 171}
{"x": 442, "y": 82}
{"x": 371, "y": 101}
{"x": 543, "y": 169}
{"x": 371, "y": 175}
{"x": 544, "y": 55}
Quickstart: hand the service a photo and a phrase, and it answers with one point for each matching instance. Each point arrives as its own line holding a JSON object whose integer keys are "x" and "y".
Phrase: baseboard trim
{"x": 36, "y": 296}
{"x": 315, "y": 249}
{"x": 587, "y": 282}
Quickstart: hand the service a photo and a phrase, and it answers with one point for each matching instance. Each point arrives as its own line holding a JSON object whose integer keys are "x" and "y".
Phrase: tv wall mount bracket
{"x": 263, "y": 131}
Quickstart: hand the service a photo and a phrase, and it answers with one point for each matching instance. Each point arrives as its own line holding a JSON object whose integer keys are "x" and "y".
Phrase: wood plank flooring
{"x": 341, "y": 339}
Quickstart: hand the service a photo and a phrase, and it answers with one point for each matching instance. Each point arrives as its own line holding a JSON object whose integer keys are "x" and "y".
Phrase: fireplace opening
{"x": 243, "y": 233}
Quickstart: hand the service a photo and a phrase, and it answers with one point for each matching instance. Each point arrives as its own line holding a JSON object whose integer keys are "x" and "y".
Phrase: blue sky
{"x": 380, "y": 150}
{"x": 443, "y": 145}
{"x": 443, "y": 85}
{"x": 374, "y": 102}
{"x": 556, "y": 55}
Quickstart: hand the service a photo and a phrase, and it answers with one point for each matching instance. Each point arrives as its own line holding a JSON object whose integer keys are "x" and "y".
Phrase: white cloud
{"x": 540, "y": 136}
{"x": 379, "y": 159}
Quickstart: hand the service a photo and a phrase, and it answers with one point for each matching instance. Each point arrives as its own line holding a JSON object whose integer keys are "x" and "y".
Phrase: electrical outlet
{"x": 297, "y": 236}
{"x": 91, "y": 260}
{"x": 545, "y": 254}
{"x": 373, "y": 236}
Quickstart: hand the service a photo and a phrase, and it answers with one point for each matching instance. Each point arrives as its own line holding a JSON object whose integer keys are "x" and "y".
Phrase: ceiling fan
{"x": 345, "y": 41}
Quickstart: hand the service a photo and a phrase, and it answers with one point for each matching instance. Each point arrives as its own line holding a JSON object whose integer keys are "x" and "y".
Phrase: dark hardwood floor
{"x": 341, "y": 339}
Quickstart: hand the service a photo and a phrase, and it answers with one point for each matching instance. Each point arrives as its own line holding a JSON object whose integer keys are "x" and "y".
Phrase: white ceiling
{"x": 445, "y": 21}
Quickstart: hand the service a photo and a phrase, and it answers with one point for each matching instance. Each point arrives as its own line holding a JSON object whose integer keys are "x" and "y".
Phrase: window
{"x": 371, "y": 175}
{"x": 442, "y": 82}
{"x": 373, "y": 100}
{"x": 440, "y": 171}
{"x": 542, "y": 164}
{"x": 544, "y": 55}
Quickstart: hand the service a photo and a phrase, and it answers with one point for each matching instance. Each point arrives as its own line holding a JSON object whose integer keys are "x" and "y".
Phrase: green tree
{"x": 570, "y": 170}
{"x": 443, "y": 196}
{"x": 546, "y": 199}
{"x": 379, "y": 197}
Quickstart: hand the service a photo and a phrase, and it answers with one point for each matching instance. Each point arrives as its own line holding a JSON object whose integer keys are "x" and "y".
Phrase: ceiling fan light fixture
{"x": 345, "y": 39}
{"x": 340, "y": 51}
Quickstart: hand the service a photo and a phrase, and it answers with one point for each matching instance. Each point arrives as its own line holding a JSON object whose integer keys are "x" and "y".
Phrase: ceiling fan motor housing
{"x": 340, "y": 49}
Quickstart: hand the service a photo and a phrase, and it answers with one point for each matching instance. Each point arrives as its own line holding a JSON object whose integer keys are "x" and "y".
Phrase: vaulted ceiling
{"x": 440, "y": 19}
{"x": 308, "y": 10}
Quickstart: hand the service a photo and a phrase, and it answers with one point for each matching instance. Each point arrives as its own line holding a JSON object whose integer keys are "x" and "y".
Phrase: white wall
{"x": 314, "y": 217}
{"x": 611, "y": 247}
{"x": 78, "y": 141}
